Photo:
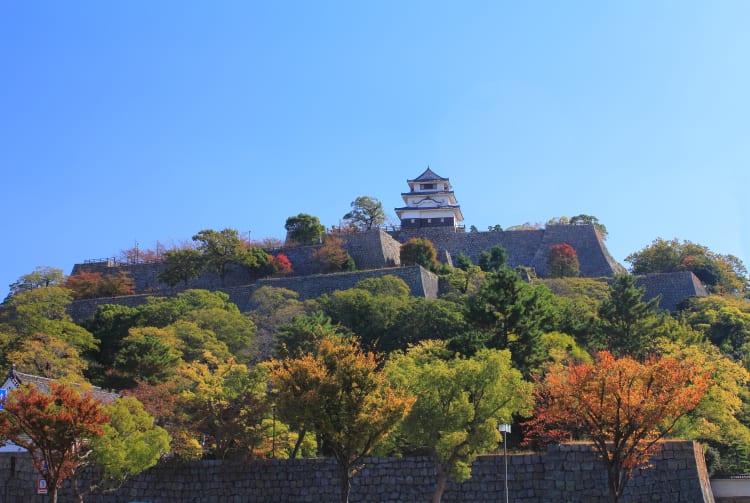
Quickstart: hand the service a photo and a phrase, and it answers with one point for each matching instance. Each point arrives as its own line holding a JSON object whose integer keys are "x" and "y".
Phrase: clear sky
{"x": 125, "y": 122}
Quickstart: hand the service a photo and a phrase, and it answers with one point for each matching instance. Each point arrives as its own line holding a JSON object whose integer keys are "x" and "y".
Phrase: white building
{"x": 430, "y": 202}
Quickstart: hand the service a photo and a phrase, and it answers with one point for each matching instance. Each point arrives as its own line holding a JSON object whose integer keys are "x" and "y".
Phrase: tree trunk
{"x": 298, "y": 444}
{"x": 77, "y": 497}
{"x": 346, "y": 483}
{"x": 54, "y": 495}
{"x": 442, "y": 479}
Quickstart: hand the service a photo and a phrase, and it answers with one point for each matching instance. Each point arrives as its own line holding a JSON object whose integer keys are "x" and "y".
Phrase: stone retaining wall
{"x": 568, "y": 473}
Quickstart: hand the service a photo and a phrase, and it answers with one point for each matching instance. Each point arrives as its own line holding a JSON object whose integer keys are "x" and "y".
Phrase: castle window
{"x": 427, "y": 186}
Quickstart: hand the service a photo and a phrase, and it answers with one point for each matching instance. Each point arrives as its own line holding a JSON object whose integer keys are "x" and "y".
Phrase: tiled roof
{"x": 42, "y": 384}
{"x": 428, "y": 176}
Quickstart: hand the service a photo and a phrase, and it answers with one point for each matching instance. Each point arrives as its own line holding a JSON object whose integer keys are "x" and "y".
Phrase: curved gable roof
{"x": 428, "y": 176}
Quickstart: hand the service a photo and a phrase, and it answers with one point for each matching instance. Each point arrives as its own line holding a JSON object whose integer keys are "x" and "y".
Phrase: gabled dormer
{"x": 430, "y": 202}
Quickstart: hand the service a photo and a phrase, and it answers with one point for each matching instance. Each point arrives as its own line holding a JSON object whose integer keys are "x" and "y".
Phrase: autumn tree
{"x": 91, "y": 285}
{"x": 419, "y": 251}
{"x": 36, "y": 328}
{"x": 55, "y": 427}
{"x": 304, "y": 229}
{"x": 340, "y": 393}
{"x": 562, "y": 261}
{"x": 366, "y": 213}
{"x": 460, "y": 402}
{"x": 332, "y": 257}
{"x": 281, "y": 264}
{"x": 624, "y": 407}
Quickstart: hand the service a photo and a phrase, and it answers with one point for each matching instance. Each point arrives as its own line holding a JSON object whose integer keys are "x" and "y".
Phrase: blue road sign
{"x": 3, "y": 394}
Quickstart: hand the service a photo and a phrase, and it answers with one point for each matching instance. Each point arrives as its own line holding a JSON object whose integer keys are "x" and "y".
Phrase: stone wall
{"x": 422, "y": 283}
{"x": 568, "y": 473}
{"x": 525, "y": 247}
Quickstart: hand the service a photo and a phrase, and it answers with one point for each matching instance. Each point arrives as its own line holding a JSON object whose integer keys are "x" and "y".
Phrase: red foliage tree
{"x": 281, "y": 264}
{"x": 54, "y": 427}
{"x": 625, "y": 407}
{"x": 562, "y": 261}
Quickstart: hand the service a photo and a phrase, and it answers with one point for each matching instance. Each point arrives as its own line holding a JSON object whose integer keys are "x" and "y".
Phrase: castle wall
{"x": 524, "y": 247}
{"x": 567, "y": 473}
{"x": 421, "y": 282}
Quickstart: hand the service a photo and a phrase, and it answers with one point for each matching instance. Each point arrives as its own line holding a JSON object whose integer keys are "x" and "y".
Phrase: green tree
{"x": 304, "y": 229}
{"x": 460, "y": 402}
{"x": 147, "y": 354}
{"x": 181, "y": 265}
{"x": 514, "y": 315}
{"x": 724, "y": 320}
{"x": 366, "y": 213}
{"x": 221, "y": 249}
{"x": 41, "y": 277}
{"x": 626, "y": 320}
{"x": 131, "y": 443}
{"x": 340, "y": 393}
{"x": 493, "y": 260}
{"x": 419, "y": 251}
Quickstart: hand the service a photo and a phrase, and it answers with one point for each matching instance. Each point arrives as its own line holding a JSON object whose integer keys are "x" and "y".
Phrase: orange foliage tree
{"x": 90, "y": 285}
{"x": 562, "y": 261}
{"x": 625, "y": 407}
{"x": 54, "y": 427}
{"x": 341, "y": 393}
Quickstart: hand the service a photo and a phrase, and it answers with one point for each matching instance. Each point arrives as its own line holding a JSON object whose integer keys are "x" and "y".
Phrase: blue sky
{"x": 125, "y": 122}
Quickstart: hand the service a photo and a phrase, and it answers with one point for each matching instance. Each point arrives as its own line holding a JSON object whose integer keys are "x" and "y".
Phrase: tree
{"x": 332, "y": 257}
{"x": 56, "y": 428}
{"x": 181, "y": 265}
{"x": 626, "y": 320}
{"x": 147, "y": 354}
{"x": 227, "y": 404}
{"x": 131, "y": 443}
{"x": 41, "y": 277}
{"x": 340, "y": 393}
{"x": 304, "y": 229}
{"x": 460, "y": 402}
{"x": 91, "y": 285}
{"x": 419, "y": 251}
{"x": 281, "y": 264}
{"x": 562, "y": 261}
{"x": 494, "y": 259}
{"x": 367, "y": 212}
{"x": 514, "y": 315}
{"x": 623, "y": 406}
{"x": 220, "y": 249}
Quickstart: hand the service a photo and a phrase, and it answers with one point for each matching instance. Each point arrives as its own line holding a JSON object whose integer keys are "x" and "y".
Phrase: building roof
{"x": 16, "y": 379}
{"x": 428, "y": 176}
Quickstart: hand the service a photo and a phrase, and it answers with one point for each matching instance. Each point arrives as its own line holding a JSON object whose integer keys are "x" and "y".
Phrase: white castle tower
{"x": 429, "y": 203}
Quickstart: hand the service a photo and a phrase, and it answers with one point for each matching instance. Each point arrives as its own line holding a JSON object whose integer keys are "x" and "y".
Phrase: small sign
{"x": 41, "y": 486}
{"x": 3, "y": 396}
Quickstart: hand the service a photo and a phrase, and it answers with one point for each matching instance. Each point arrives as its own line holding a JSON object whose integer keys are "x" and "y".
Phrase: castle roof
{"x": 16, "y": 379}
{"x": 428, "y": 176}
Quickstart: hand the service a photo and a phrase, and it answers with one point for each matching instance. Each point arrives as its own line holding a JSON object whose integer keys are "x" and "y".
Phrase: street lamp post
{"x": 505, "y": 429}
